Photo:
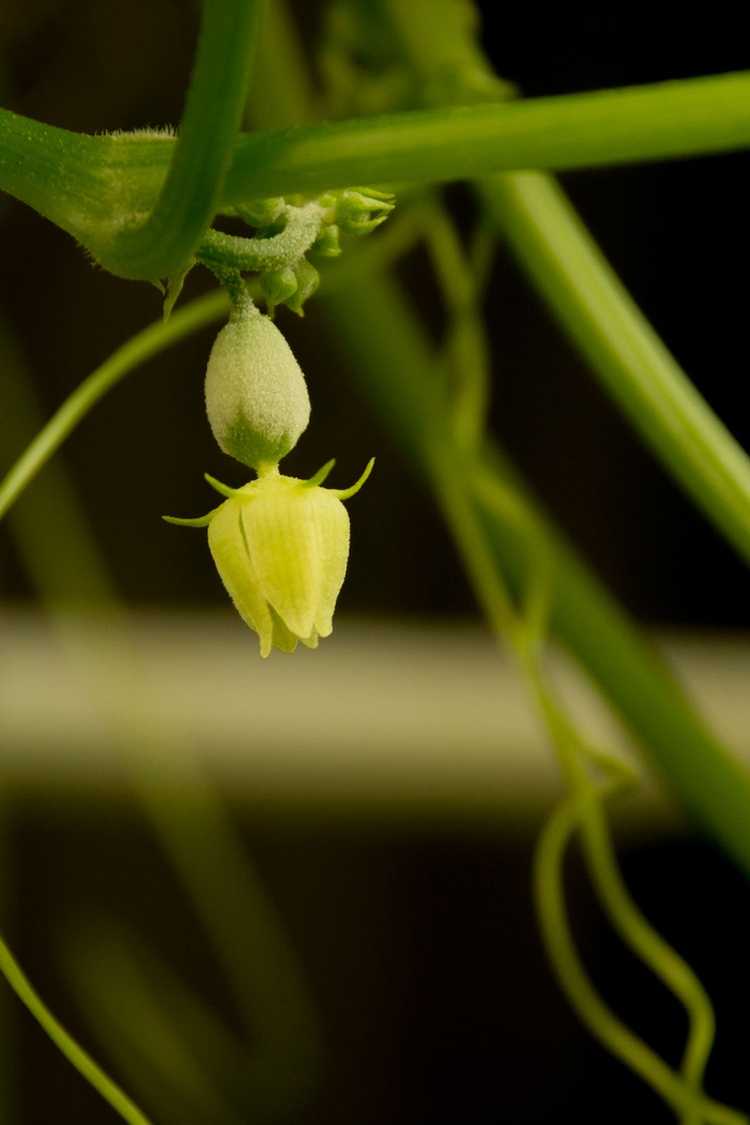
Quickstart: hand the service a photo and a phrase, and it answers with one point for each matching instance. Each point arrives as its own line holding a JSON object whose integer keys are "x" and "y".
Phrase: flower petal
{"x": 283, "y": 639}
{"x": 332, "y": 529}
{"x": 281, "y": 533}
{"x": 227, "y": 544}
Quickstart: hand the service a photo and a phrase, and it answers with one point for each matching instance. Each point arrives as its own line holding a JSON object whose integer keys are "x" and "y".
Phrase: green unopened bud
{"x": 359, "y": 212}
{"x": 327, "y": 243}
{"x": 256, "y": 398}
{"x": 308, "y": 280}
{"x": 261, "y": 212}
{"x": 278, "y": 285}
{"x": 281, "y": 546}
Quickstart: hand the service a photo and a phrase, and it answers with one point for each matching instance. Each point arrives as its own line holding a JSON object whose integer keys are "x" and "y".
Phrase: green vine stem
{"x": 525, "y": 639}
{"x": 134, "y": 352}
{"x": 526, "y": 636}
{"x": 711, "y": 784}
{"x": 465, "y": 346}
{"x": 87, "y": 184}
{"x": 604, "y": 1025}
{"x": 622, "y": 912}
{"x": 104, "y": 190}
{"x": 568, "y": 131}
{"x": 80, "y": 1059}
{"x": 162, "y": 245}
{"x": 624, "y": 352}
{"x": 392, "y": 361}
{"x": 223, "y": 251}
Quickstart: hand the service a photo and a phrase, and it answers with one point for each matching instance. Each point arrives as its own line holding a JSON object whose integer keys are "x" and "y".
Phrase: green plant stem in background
{"x": 88, "y": 184}
{"x": 451, "y": 475}
{"x": 136, "y": 351}
{"x": 80, "y": 1059}
{"x": 281, "y": 85}
{"x": 569, "y": 131}
{"x": 548, "y": 893}
{"x": 162, "y": 245}
{"x": 622, "y": 912}
{"x": 624, "y": 352}
{"x": 465, "y": 345}
{"x": 147, "y": 1032}
{"x": 392, "y": 361}
{"x": 713, "y": 787}
{"x": 526, "y": 639}
{"x": 526, "y": 636}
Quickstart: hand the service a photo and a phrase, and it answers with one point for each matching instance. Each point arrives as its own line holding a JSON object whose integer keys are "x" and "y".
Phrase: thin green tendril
{"x": 75, "y": 1054}
{"x": 525, "y": 629}
{"x": 603, "y": 1024}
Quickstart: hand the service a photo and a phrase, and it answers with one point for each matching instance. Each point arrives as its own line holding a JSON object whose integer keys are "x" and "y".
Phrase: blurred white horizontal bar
{"x": 409, "y": 721}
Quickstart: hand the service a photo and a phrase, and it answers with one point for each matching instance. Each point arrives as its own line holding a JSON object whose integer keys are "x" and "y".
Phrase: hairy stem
{"x": 87, "y": 184}
{"x": 162, "y": 245}
{"x": 245, "y": 254}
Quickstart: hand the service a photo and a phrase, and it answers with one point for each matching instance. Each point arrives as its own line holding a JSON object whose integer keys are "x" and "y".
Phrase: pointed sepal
{"x": 222, "y": 489}
{"x": 347, "y": 493}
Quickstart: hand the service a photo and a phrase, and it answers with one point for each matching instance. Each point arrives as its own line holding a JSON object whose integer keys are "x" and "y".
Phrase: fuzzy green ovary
{"x": 247, "y": 444}
{"x": 256, "y": 397}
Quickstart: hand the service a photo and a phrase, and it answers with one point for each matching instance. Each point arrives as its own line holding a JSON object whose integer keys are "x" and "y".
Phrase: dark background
{"x": 439, "y": 1002}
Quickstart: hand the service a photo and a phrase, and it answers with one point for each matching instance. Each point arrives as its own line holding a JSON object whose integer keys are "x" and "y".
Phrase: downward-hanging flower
{"x": 281, "y": 546}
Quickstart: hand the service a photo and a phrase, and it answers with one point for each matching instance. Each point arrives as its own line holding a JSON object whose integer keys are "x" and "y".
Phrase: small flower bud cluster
{"x": 361, "y": 210}
{"x": 290, "y": 286}
{"x": 353, "y": 211}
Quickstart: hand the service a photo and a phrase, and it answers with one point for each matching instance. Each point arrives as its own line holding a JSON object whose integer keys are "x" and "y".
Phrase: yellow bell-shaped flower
{"x": 281, "y": 546}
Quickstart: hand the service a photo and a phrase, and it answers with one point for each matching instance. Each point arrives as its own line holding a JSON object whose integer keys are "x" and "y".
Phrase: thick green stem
{"x": 53, "y": 170}
{"x": 571, "y": 131}
{"x": 91, "y": 185}
{"x": 162, "y": 245}
{"x": 625, "y": 353}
